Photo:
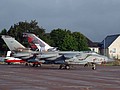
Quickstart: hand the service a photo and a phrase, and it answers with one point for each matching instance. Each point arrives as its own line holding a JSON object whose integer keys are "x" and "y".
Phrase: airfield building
{"x": 110, "y": 46}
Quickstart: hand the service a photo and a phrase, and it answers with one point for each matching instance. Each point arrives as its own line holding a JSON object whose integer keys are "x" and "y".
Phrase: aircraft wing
{"x": 47, "y": 55}
{"x": 69, "y": 54}
{"x": 54, "y": 55}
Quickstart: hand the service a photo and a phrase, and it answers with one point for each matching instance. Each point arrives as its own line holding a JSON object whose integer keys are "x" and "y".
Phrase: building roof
{"x": 109, "y": 40}
{"x": 92, "y": 44}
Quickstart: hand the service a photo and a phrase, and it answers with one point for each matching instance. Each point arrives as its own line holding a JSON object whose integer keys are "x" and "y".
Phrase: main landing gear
{"x": 64, "y": 66}
{"x": 35, "y": 64}
{"x": 91, "y": 64}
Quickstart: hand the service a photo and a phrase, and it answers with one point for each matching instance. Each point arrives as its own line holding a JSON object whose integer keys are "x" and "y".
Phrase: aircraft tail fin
{"x": 33, "y": 39}
{"x": 12, "y": 43}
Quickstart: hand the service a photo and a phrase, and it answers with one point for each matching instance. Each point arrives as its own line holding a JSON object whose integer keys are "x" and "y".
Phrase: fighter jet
{"x": 69, "y": 57}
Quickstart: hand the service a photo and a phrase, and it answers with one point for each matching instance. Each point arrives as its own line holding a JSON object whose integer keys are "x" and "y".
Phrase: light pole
{"x": 104, "y": 48}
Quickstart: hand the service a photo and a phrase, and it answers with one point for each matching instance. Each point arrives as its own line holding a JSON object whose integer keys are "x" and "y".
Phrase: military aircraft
{"x": 68, "y": 57}
{"x": 52, "y": 56}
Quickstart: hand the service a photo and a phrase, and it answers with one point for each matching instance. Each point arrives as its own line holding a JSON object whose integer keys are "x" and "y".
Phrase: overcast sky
{"x": 94, "y": 18}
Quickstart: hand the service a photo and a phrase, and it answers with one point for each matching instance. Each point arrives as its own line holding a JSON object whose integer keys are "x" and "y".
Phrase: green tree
{"x": 69, "y": 43}
{"x": 3, "y": 32}
{"x": 47, "y": 39}
{"x": 65, "y": 40}
{"x": 58, "y": 35}
{"x": 3, "y": 46}
{"x": 61, "y": 38}
{"x": 18, "y": 29}
{"x": 81, "y": 41}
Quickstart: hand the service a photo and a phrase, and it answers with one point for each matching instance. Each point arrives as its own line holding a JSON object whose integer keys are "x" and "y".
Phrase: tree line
{"x": 64, "y": 39}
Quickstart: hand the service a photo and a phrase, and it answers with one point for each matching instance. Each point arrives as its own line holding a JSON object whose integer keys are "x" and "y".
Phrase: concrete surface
{"x": 49, "y": 77}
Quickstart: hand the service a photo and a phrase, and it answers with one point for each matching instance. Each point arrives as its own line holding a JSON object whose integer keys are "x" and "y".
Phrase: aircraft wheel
{"x": 67, "y": 66}
{"x": 39, "y": 65}
{"x": 93, "y": 66}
